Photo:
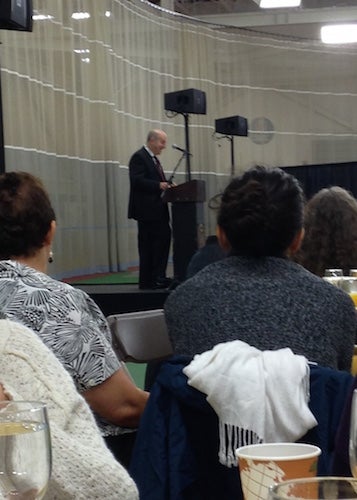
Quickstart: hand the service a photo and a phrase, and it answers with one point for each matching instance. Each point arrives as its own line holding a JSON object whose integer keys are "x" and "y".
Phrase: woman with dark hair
{"x": 65, "y": 318}
{"x": 330, "y": 240}
{"x": 257, "y": 294}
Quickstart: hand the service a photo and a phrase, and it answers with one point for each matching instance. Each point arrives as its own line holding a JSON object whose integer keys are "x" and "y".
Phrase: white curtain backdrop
{"x": 79, "y": 97}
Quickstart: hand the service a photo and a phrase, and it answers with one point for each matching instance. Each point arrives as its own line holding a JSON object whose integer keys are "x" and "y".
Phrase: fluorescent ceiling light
{"x": 41, "y": 17}
{"x": 277, "y": 4}
{"x": 81, "y": 51}
{"x": 339, "y": 33}
{"x": 80, "y": 15}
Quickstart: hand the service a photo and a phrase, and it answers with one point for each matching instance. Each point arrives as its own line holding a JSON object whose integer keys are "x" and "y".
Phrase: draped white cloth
{"x": 259, "y": 396}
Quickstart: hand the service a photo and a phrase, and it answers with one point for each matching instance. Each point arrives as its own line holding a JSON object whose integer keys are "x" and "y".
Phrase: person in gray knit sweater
{"x": 257, "y": 294}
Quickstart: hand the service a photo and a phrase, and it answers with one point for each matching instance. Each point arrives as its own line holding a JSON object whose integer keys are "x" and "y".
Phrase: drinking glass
{"x": 334, "y": 276}
{"x": 349, "y": 285}
{"x": 353, "y": 435}
{"x": 25, "y": 450}
{"x": 319, "y": 488}
{"x": 333, "y": 272}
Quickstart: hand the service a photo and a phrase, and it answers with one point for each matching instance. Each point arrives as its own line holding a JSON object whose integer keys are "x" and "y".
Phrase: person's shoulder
{"x": 300, "y": 273}
{"x": 211, "y": 272}
{"x": 25, "y": 346}
{"x": 61, "y": 287}
{"x": 83, "y": 301}
{"x": 9, "y": 332}
{"x": 68, "y": 294}
{"x": 323, "y": 288}
{"x": 139, "y": 153}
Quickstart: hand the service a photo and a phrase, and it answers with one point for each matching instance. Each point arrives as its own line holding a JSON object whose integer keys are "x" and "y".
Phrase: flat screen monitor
{"x": 16, "y": 15}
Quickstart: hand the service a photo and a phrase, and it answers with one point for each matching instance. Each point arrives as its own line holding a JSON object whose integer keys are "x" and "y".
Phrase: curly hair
{"x": 261, "y": 212}
{"x": 25, "y": 214}
{"x": 330, "y": 232}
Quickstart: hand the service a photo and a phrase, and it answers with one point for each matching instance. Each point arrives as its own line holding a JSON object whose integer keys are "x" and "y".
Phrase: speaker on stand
{"x": 185, "y": 102}
{"x": 229, "y": 127}
{"x": 186, "y": 199}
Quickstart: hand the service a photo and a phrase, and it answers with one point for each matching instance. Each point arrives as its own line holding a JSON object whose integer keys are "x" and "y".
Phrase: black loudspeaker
{"x": 16, "y": 15}
{"x": 186, "y": 101}
{"x": 232, "y": 125}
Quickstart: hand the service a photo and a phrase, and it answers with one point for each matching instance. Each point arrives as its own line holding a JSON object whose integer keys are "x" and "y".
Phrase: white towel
{"x": 259, "y": 396}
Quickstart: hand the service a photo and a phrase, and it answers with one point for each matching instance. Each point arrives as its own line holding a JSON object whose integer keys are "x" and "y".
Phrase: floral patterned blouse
{"x": 67, "y": 321}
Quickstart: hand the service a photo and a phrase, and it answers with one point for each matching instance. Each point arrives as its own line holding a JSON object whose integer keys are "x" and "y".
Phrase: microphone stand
{"x": 184, "y": 153}
{"x": 231, "y": 140}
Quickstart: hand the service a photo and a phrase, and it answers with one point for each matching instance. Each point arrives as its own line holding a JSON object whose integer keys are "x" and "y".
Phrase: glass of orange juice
{"x": 350, "y": 286}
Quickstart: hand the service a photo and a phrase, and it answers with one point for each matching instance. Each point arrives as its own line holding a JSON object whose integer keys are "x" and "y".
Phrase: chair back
{"x": 140, "y": 336}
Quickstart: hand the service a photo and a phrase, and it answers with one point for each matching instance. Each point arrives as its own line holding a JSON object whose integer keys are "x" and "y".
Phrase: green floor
{"x": 122, "y": 278}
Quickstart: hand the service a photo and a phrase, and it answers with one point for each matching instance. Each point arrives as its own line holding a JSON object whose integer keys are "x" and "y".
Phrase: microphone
{"x": 175, "y": 146}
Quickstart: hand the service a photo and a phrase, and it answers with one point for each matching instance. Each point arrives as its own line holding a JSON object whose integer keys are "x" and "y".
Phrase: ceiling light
{"x": 41, "y": 17}
{"x": 275, "y": 4}
{"x": 339, "y": 33}
{"x": 107, "y": 13}
{"x": 81, "y": 51}
{"x": 80, "y": 15}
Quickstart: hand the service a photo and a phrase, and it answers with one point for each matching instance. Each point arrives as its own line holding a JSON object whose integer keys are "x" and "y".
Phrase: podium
{"x": 187, "y": 222}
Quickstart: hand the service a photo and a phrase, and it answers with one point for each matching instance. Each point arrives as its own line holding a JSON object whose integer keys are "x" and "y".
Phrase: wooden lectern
{"x": 187, "y": 222}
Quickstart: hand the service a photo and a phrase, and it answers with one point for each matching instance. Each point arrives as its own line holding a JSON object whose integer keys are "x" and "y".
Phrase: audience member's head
{"x": 330, "y": 232}
{"x": 26, "y": 215}
{"x": 209, "y": 253}
{"x": 261, "y": 213}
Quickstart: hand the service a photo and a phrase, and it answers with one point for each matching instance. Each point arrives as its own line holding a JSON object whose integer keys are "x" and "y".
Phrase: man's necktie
{"x": 159, "y": 169}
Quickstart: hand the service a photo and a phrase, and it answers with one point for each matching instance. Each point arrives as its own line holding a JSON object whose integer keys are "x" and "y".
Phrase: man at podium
{"x": 146, "y": 205}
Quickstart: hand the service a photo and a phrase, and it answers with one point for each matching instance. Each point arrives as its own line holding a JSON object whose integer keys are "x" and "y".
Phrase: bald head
{"x": 156, "y": 141}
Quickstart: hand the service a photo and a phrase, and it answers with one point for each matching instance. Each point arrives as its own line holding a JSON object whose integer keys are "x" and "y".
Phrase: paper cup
{"x": 261, "y": 465}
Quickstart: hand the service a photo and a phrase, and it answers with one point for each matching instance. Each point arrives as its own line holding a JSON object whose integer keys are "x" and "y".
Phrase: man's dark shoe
{"x": 160, "y": 285}
{"x": 174, "y": 283}
{"x": 166, "y": 281}
{"x": 146, "y": 286}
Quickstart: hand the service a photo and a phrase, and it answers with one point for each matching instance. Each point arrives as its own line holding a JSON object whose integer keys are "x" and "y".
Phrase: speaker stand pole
{"x": 187, "y": 141}
{"x": 230, "y": 138}
{"x": 2, "y": 147}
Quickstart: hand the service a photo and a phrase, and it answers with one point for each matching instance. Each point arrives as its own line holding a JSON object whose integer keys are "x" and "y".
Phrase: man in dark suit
{"x": 147, "y": 184}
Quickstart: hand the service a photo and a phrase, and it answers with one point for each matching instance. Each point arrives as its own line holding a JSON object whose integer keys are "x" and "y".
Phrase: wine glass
{"x": 333, "y": 272}
{"x": 353, "y": 435}
{"x": 315, "y": 488}
{"x": 334, "y": 276}
{"x": 25, "y": 450}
